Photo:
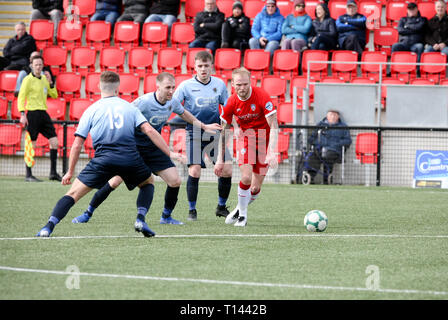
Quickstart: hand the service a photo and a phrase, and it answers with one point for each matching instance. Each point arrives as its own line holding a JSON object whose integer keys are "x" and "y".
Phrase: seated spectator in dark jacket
{"x": 324, "y": 35}
{"x": 107, "y": 10}
{"x": 135, "y": 10}
{"x": 327, "y": 144}
{"x": 48, "y": 10}
{"x": 164, "y": 11}
{"x": 411, "y": 31}
{"x": 352, "y": 29}
{"x": 207, "y": 27}
{"x": 16, "y": 53}
{"x": 235, "y": 31}
{"x": 437, "y": 32}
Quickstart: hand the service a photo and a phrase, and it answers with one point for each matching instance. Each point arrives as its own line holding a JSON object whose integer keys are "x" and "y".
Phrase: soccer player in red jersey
{"x": 256, "y": 117}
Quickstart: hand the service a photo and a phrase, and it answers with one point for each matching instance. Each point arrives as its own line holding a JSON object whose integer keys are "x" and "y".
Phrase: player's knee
{"x": 115, "y": 182}
{"x": 175, "y": 182}
{"x": 246, "y": 179}
{"x": 227, "y": 171}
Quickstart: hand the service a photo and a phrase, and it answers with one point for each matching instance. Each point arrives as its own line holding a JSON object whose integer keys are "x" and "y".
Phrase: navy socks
{"x": 144, "y": 200}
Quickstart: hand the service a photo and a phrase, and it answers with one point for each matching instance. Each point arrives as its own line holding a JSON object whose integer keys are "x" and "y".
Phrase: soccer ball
{"x": 315, "y": 221}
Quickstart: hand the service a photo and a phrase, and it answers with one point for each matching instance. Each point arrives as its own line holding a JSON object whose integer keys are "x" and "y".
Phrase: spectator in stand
{"x": 207, "y": 27}
{"x": 267, "y": 28}
{"x": 411, "y": 31}
{"x": 235, "y": 31}
{"x": 296, "y": 28}
{"x": 324, "y": 35}
{"x": 165, "y": 11}
{"x": 16, "y": 54}
{"x": 107, "y": 10}
{"x": 135, "y": 10}
{"x": 48, "y": 10}
{"x": 437, "y": 33}
{"x": 352, "y": 29}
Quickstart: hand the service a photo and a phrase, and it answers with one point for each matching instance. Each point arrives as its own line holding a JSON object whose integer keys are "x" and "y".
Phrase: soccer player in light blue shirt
{"x": 111, "y": 123}
{"x": 202, "y": 96}
{"x": 156, "y": 107}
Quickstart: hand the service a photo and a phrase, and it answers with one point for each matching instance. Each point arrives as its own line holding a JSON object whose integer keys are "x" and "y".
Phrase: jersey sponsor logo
{"x": 269, "y": 106}
{"x": 157, "y": 120}
{"x": 204, "y": 102}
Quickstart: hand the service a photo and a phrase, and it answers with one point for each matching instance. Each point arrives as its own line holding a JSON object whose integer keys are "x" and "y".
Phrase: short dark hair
{"x": 109, "y": 77}
{"x": 203, "y": 56}
{"x": 37, "y": 57}
{"x": 164, "y": 75}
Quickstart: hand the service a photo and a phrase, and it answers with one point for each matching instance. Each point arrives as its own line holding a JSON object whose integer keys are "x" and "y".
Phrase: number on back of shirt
{"x": 115, "y": 119}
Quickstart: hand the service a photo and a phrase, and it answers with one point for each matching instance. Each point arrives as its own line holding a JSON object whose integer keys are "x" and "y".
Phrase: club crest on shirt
{"x": 215, "y": 90}
{"x": 269, "y": 106}
{"x": 252, "y": 107}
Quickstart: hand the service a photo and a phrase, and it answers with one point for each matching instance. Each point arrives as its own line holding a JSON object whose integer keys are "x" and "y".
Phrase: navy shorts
{"x": 155, "y": 159}
{"x": 99, "y": 171}
{"x": 199, "y": 146}
{"x": 40, "y": 122}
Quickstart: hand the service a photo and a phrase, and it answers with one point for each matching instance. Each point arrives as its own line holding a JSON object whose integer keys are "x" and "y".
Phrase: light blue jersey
{"x": 156, "y": 113}
{"x": 111, "y": 122}
{"x": 202, "y": 100}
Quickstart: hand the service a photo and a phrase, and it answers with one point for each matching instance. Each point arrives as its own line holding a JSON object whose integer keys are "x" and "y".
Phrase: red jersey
{"x": 251, "y": 113}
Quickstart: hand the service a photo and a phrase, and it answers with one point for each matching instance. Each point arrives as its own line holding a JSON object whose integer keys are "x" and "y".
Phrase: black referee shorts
{"x": 40, "y": 122}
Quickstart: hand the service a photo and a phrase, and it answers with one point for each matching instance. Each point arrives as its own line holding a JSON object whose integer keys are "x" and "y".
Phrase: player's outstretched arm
{"x": 209, "y": 128}
{"x": 73, "y": 159}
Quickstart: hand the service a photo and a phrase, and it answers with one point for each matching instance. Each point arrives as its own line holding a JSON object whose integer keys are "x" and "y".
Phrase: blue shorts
{"x": 101, "y": 169}
{"x": 155, "y": 159}
{"x": 199, "y": 146}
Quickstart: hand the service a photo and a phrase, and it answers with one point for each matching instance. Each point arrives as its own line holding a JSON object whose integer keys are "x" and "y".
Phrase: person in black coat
{"x": 135, "y": 10}
{"x": 324, "y": 35}
{"x": 207, "y": 27}
{"x": 16, "y": 54}
{"x": 411, "y": 31}
{"x": 235, "y": 31}
{"x": 48, "y": 10}
{"x": 436, "y": 37}
{"x": 165, "y": 11}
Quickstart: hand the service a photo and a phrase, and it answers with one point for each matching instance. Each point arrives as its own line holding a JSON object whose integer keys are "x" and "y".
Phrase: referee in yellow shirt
{"x": 35, "y": 88}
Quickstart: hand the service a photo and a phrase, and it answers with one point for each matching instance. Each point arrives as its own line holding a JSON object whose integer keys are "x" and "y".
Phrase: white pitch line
{"x": 225, "y": 282}
{"x": 312, "y": 235}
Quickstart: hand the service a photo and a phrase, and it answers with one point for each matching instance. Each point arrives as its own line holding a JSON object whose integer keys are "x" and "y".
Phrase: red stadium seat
{"x": 310, "y": 7}
{"x": 422, "y": 82}
{"x": 372, "y": 9}
{"x": 140, "y": 61}
{"x": 70, "y": 139}
{"x": 275, "y": 86}
{"x": 427, "y": 9}
{"x": 385, "y": 83}
{"x": 317, "y": 70}
{"x": 252, "y": 8}
{"x": 283, "y": 146}
{"x": 191, "y": 53}
{"x": 69, "y": 34}
{"x": 83, "y": 60}
{"x": 10, "y": 137}
{"x": 15, "y": 114}
{"x": 226, "y": 60}
{"x": 77, "y": 107}
{"x": 435, "y": 73}
{"x": 179, "y": 78}
{"x": 155, "y": 35}
{"x": 372, "y": 66}
{"x": 363, "y": 80}
{"x": 384, "y": 38}
{"x": 286, "y": 7}
{"x": 192, "y": 8}
{"x": 84, "y": 9}
{"x": 286, "y": 63}
{"x": 92, "y": 85}
{"x": 8, "y": 80}
{"x": 182, "y": 34}
{"x": 149, "y": 83}
{"x": 166, "y": 134}
{"x": 345, "y": 64}
{"x": 112, "y": 58}
{"x": 225, "y": 6}
{"x": 405, "y": 72}
{"x": 395, "y": 10}
{"x": 68, "y": 85}
{"x": 179, "y": 141}
{"x": 3, "y": 108}
{"x": 88, "y": 147}
{"x": 169, "y": 60}
{"x": 56, "y": 58}
{"x": 42, "y": 146}
{"x": 367, "y": 147}
{"x": 98, "y": 34}
{"x": 332, "y": 79}
{"x": 126, "y": 34}
{"x": 56, "y": 108}
{"x": 43, "y": 32}
{"x": 257, "y": 62}
{"x": 300, "y": 83}
{"x": 285, "y": 113}
{"x": 129, "y": 85}
{"x": 337, "y": 8}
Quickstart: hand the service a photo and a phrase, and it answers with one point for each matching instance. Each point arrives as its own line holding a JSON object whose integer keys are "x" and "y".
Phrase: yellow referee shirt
{"x": 34, "y": 92}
